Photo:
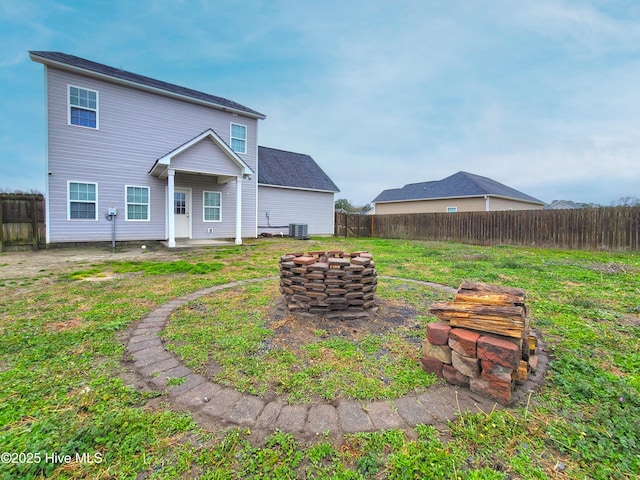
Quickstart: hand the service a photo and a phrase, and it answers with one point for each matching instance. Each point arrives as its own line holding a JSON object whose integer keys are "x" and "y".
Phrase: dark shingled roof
{"x": 288, "y": 169}
{"x": 63, "y": 59}
{"x": 461, "y": 184}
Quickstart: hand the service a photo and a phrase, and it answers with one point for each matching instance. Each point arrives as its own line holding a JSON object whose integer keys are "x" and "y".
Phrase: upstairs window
{"x": 83, "y": 200}
{"x": 137, "y": 203}
{"x": 83, "y": 107}
{"x": 452, "y": 209}
{"x": 238, "y": 138}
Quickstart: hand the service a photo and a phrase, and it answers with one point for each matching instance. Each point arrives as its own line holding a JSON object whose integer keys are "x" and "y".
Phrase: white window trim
{"x": 69, "y": 182}
{"x": 452, "y": 209}
{"x": 231, "y": 137}
{"x": 204, "y": 207}
{"x": 126, "y": 204}
{"x": 97, "y": 109}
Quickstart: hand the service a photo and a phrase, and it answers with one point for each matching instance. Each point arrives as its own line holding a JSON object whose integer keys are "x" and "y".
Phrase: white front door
{"x": 181, "y": 206}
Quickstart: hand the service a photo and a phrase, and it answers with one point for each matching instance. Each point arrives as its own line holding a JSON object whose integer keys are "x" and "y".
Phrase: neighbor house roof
{"x": 293, "y": 170}
{"x": 73, "y": 63}
{"x": 461, "y": 184}
{"x": 562, "y": 204}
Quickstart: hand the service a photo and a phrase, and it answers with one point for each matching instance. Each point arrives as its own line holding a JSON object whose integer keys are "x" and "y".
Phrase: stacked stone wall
{"x": 330, "y": 283}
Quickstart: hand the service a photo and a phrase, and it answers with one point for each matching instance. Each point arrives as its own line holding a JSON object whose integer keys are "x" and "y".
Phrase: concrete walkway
{"x": 217, "y": 407}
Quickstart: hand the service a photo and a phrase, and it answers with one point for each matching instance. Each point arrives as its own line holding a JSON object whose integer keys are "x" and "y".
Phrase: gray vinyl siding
{"x": 135, "y": 129}
{"x": 287, "y": 205}
{"x": 205, "y": 157}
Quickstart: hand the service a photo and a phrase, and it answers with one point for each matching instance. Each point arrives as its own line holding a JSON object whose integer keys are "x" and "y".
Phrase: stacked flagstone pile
{"x": 330, "y": 283}
{"x": 482, "y": 340}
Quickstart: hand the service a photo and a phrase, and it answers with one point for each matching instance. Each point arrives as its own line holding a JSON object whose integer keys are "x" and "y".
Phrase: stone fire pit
{"x": 332, "y": 284}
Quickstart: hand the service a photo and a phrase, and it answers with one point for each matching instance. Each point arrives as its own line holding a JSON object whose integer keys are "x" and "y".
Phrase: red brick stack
{"x": 330, "y": 282}
{"x": 482, "y": 340}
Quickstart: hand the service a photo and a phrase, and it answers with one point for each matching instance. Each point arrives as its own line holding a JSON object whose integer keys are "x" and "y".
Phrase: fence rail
{"x": 22, "y": 221}
{"x": 610, "y": 228}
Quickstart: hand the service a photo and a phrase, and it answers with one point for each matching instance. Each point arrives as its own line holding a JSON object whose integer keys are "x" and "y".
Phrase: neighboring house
{"x": 562, "y": 205}
{"x": 461, "y": 192}
{"x": 173, "y": 162}
{"x": 292, "y": 188}
{"x": 365, "y": 210}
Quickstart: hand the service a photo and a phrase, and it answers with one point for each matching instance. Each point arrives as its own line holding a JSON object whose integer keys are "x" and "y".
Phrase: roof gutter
{"x": 297, "y": 188}
{"x": 464, "y": 196}
{"x": 139, "y": 86}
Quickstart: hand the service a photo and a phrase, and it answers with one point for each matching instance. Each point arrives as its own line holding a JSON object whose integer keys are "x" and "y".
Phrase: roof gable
{"x": 461, "y": 184}
{"x": 71, "y": 62}
{"x": 161, "y": 166}
{"x": 294, "y": 170}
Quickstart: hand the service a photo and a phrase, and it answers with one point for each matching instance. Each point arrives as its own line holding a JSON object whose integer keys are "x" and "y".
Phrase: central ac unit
{"x": 299, "y": 231}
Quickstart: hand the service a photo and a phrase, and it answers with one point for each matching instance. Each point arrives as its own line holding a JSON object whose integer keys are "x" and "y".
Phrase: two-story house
{"x": 170, "y": 162}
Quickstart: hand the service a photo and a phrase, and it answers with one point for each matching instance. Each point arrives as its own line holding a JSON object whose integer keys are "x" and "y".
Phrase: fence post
{"x": 34, "y": 224}
{"x": 1, "y": 226}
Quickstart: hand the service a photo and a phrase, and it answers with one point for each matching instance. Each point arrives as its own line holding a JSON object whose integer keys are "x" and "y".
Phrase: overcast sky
{"x": 541, "y": 95}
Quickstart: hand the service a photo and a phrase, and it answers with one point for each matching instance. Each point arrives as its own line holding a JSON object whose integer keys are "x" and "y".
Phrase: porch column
{"x": 171, "y": 174}
{"x": 238, "y": 210}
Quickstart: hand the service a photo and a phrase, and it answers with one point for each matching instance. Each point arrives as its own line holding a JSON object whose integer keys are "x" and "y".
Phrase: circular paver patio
{"x": 217, "y": 407}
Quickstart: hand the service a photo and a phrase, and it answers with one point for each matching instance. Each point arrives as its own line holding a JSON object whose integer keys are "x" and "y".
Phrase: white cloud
{"x": 582, "y": 28}
{"x": 536, "y": 94}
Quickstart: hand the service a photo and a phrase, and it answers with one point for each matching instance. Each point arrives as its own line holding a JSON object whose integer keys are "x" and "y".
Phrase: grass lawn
{"x": 321, "y": 361}
{"x": 66, "y": 413}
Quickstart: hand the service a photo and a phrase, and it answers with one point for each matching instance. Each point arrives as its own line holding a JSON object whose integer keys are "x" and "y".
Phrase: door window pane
{"x": 180, "y": 203}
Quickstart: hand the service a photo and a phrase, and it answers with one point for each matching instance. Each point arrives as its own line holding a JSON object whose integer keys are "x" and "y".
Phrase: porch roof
{"x": 163, "y": 164}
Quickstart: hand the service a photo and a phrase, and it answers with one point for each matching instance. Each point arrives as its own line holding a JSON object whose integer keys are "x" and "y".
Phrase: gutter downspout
{"x": 48, "y": 173}
{"x": 487, "y": 206}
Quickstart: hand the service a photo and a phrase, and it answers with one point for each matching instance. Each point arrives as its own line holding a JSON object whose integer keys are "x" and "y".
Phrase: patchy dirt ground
{"x": 295, "y": 330}
{"x": 29, "y": 264}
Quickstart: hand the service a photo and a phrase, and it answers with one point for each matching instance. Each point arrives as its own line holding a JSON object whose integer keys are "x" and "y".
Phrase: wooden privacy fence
{"x": 353, "y": 225}
{"x": 611, "y": 228}
{"x": 22, "y": 221}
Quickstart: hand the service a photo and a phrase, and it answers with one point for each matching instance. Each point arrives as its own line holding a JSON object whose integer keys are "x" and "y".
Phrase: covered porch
{"x": 204, "y": 160}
